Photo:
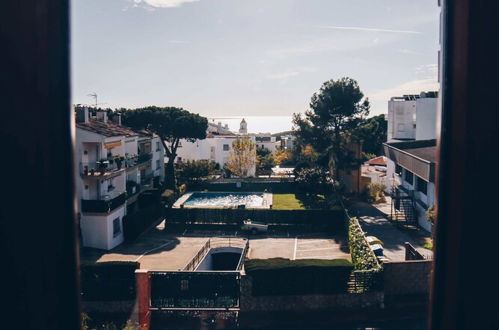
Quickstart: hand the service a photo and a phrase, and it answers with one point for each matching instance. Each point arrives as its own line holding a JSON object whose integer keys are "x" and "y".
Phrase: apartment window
{"x": 409, "y": 177}
{"x": 398, "y": 170}
{"x": 421, "y": 185}
{"x": 157, "y": 146}
{"x": 226, "y": 147}
{"x": 116, "y": 227}
{"x": 158, "y": 164}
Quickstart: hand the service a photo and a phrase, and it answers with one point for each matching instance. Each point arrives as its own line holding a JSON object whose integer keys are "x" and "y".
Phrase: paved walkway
{"x": 375, "y": 223}
{"x": 160, "y": 249}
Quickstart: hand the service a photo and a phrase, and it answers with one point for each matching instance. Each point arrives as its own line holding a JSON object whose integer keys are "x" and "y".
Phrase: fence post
{"x": 143, "y": 281}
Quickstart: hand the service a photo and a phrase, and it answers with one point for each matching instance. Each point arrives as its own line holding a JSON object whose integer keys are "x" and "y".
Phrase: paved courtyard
{"x": 374, "y": 222}
{"x": 162, "y": 250}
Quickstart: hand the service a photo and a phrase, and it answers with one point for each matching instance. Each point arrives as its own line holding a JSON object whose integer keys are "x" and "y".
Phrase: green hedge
{"x": 280, "y": 276}
{"x": 332, "y": 218}
{"x": 363, "y": 257}
{"x": 108, "y": 281}
{"x": 134, "y": 224}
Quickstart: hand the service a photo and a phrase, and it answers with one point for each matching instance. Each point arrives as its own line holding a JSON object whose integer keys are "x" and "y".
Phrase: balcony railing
{"x": 103, "y": 206}
{"x": 144, "y": 157}
{"x": 100, "y": 168}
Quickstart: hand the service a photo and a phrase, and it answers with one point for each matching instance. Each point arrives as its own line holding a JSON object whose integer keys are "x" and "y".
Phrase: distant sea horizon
{"x": 257, "y": 124}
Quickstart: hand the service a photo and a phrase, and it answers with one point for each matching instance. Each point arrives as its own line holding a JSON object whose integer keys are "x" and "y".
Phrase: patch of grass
{"x": 303, "y": 201}
{"x": 281, "y": 263}
{"x": 286, "y": 202}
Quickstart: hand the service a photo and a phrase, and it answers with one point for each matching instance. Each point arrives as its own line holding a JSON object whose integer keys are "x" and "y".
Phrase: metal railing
{"x": 103, "y": 205}
{"x": 99, "y": 168}
{"x": 219, "y": 242}
{"x": 198, "y": 257}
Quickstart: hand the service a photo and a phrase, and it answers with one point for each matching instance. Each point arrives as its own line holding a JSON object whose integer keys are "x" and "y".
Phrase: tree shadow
{"x": 153, "y": 241}
{"x": 312, "y": 201}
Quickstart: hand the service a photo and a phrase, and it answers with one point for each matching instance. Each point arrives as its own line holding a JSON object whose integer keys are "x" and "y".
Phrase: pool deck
{"x": 267, "y": 200}
{"x": 159, "y": 249}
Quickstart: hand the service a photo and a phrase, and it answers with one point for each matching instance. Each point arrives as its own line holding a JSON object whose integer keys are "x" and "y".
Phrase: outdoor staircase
{"x": 407, "y": 207}
{"x": 403, "y": 209}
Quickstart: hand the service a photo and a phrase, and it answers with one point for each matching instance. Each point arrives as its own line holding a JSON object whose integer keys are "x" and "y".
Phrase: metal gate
{"x": 200, "y": 290}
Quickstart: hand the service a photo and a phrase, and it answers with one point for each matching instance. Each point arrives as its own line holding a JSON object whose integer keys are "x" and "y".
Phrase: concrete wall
{"x": 97, "y": 229}
{"x": 426, "y": 115}
{"x": 401, "y": 119}
{"x": 407, "y": 278}
{"x": 207, "y": 263}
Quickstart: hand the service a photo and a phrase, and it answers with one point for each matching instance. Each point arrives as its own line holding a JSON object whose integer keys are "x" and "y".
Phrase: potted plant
{"x": 102, "y": 164}
{"x": 119, "y": 161}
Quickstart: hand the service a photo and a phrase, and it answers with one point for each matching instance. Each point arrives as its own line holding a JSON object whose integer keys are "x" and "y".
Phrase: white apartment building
{"x": 218, "y": 128}
{"x": 114, "y": 164}
{"x": 285, "y": 141}
{"x": 412, "y": 117}
{"x": 266, "y": 141}
{"x": 215, "y": 148}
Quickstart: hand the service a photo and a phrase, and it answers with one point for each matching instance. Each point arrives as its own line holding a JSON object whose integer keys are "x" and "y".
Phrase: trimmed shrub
{"x": 363, "y": 257}
{"x": 280, "y": 276}
{"x": 108, "y": 281}
{"x": 375, "y": 191}
{"x": 168, "y": 196}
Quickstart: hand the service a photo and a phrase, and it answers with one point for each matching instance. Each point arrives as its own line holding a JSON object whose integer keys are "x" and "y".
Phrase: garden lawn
{"x": 286, "y": 202}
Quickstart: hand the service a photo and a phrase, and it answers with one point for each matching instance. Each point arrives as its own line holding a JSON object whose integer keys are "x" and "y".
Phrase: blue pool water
{"x": 221, "y": 199}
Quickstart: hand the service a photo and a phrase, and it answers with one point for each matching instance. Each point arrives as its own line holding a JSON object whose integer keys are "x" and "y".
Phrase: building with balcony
{"x": 215, "y": 148}
{"x": 412, "y": 173}
{"x": 114, "y": 166}
{"x": 412, "y": 117}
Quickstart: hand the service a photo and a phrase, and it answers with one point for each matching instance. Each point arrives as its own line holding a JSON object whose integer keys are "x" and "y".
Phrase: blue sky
{"x": 249, "y": 57}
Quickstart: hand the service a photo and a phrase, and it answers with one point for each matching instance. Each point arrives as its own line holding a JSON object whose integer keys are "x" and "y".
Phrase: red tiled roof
{"x": 106, "y": 129}
{"x": 381, "y": 161}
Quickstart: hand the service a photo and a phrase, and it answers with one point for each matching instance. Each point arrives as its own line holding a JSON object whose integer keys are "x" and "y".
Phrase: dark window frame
{"x": 420, "y": 183}
{"x": 408, "y": 174}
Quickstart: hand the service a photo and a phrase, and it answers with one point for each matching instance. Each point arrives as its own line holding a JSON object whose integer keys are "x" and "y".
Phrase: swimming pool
{"x": 225, "y": 199}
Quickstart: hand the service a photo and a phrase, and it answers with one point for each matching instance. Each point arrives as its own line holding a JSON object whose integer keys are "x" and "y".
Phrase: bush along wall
{"x": 282, "y": 277}
{"x": 363, "y": 257}
{"x": 108, "y": 281}
{"x": 368, "y": 274}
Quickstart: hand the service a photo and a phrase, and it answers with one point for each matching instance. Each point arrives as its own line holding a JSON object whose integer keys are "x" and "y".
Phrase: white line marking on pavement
{"x": 158, "y": 247}
{"x": 318, "y": 249}
{"x": 314, "y": 241}
{"x": 296, "y": 244}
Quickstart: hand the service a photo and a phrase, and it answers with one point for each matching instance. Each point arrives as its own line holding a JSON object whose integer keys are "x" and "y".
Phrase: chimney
{"x": 116, "y": 118}
{"x": 81, "y": 114}
{"x": 101, "y": 115}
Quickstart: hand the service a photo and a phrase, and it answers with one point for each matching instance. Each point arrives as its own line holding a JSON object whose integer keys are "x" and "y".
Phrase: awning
{"x": 111, "y": 145}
